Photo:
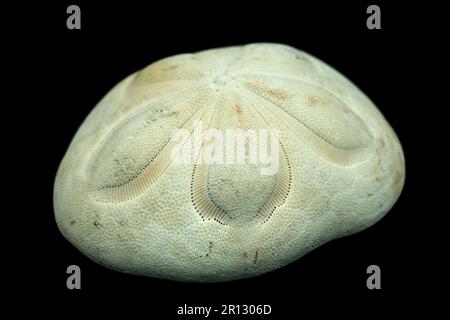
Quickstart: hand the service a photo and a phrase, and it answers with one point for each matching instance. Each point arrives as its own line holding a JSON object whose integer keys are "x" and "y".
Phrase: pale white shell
{"x": 122, "y": 202}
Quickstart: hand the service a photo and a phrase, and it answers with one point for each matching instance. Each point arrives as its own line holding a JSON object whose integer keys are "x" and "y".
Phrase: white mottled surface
{"x": 120, "y": 200}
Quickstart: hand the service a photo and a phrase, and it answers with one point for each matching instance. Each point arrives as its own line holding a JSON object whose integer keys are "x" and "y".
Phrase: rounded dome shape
{"x": 225, "y": 164}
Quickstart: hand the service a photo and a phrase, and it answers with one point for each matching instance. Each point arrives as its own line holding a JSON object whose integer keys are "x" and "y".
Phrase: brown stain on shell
{"x": 257, "y": 257}
{"x": 397, "y": 182}
{"x": 314, "y": 101}
{"x": 264, "y": 89}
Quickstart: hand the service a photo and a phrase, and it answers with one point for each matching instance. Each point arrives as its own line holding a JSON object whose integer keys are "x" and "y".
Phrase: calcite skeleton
{"x": 122, "y": 198}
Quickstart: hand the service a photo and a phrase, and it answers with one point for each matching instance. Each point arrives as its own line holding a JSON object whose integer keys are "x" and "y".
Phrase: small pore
{"x": 238, "y": 109}
{"x": 97, "y": 224}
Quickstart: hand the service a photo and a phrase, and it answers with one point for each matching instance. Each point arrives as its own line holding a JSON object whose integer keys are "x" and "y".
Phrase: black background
{"x": 73, "y": 69}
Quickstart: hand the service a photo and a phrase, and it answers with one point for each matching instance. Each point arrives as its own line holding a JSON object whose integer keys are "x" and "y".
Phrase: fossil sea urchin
{"x": 122, "y": 201}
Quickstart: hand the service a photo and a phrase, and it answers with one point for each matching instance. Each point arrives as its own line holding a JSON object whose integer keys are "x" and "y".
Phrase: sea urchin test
{"x": 225, "y": 164}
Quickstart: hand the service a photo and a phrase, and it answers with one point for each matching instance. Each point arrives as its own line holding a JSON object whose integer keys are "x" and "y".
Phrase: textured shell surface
{"x": 123, "y": 198}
